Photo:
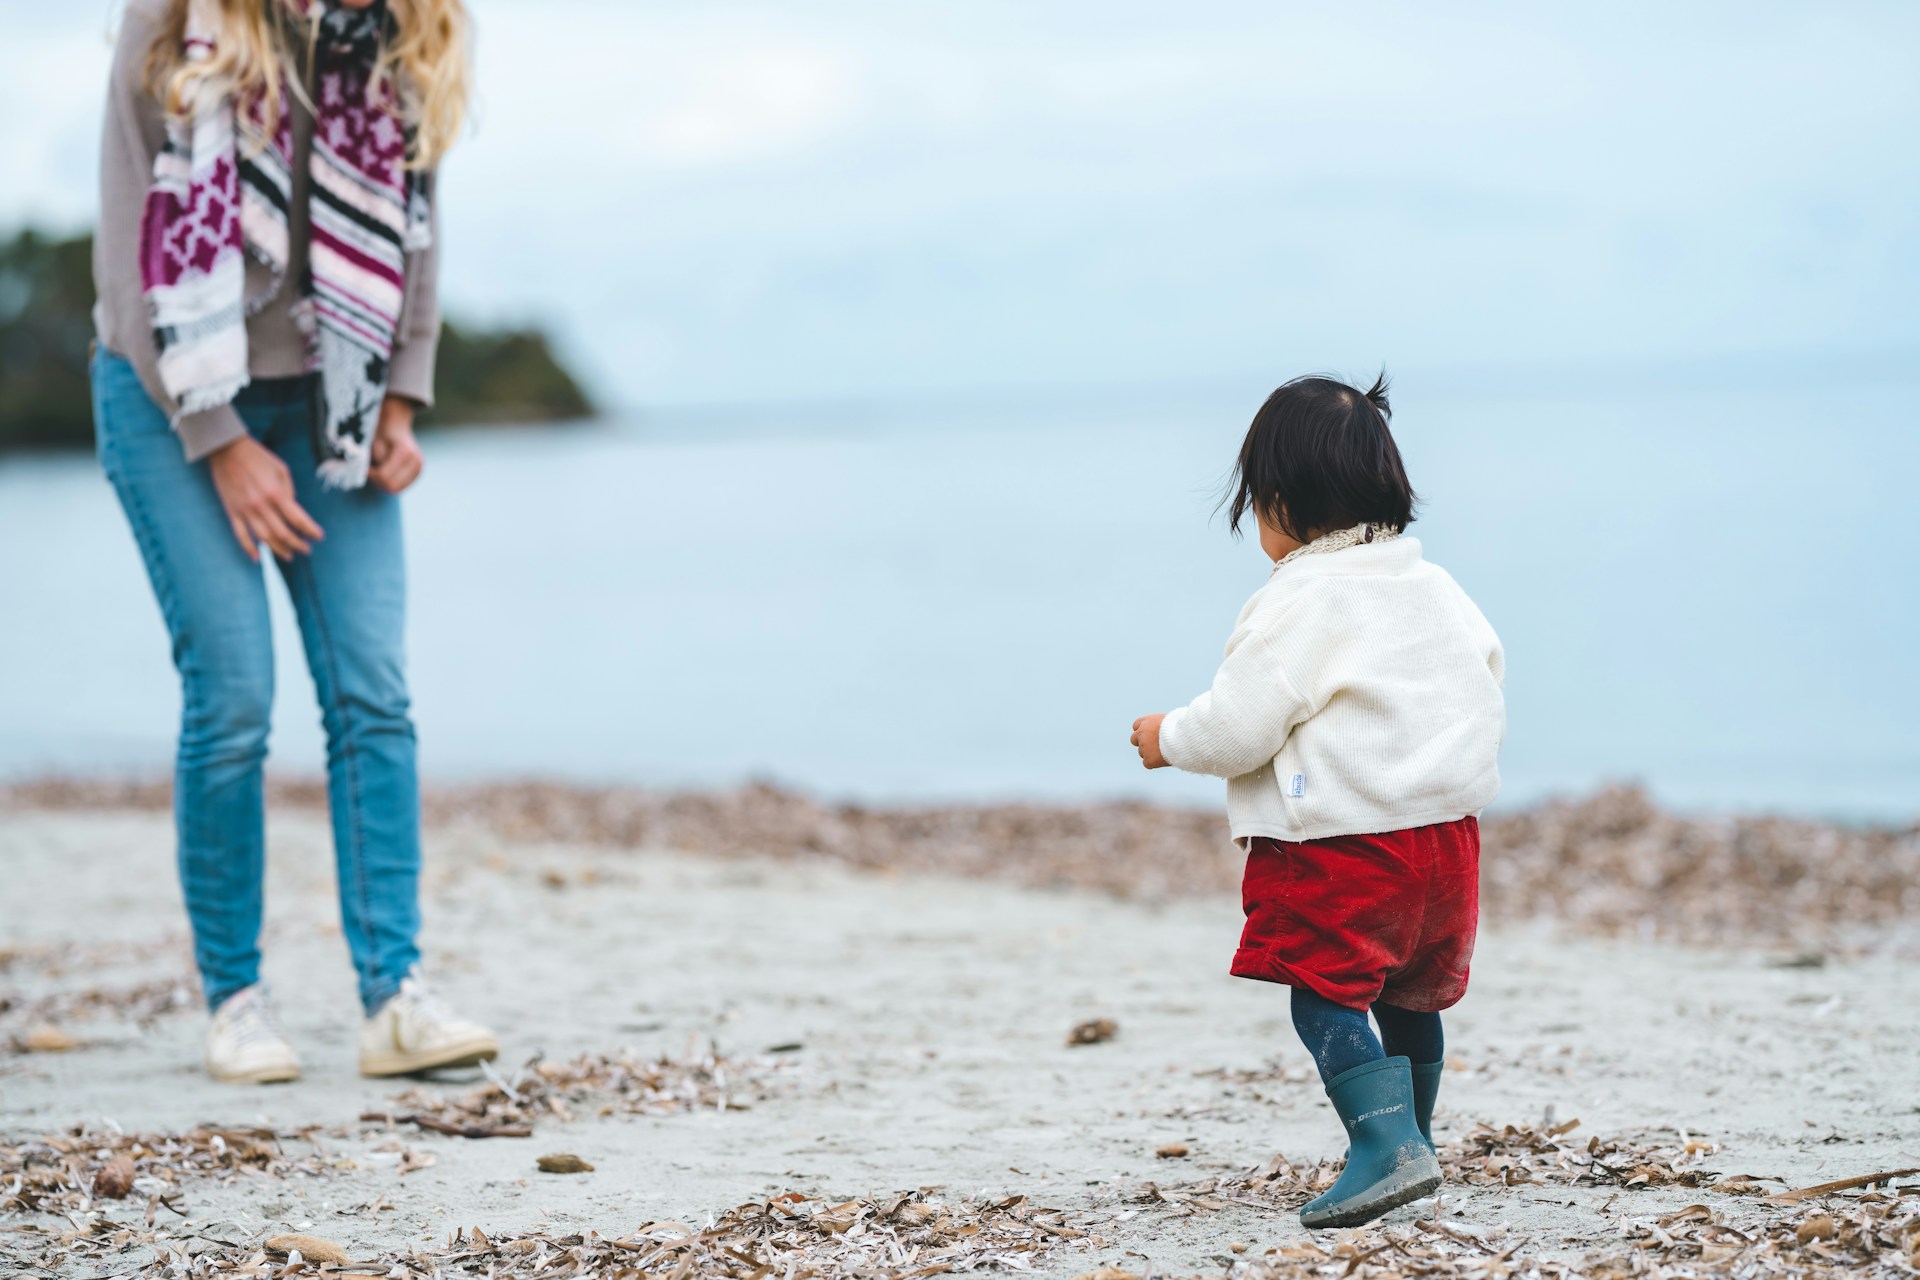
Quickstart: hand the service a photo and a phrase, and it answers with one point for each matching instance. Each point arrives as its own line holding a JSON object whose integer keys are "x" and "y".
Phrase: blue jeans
{"x": 350, "y": 596}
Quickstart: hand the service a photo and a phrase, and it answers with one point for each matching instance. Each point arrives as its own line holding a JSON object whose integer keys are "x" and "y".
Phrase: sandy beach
{"x": 829, "y": 514}
{"x": 760, "y": 1027}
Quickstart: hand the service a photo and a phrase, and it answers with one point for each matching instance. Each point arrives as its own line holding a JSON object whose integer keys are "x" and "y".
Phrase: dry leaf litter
{"x": 72, "y": 1177}
{"x": 1755, "y": 1232}
{"x": 1508, "y": 1155}
{"x": 1610, "y": 864}
{"x": 70, "y": 1187}
{"x": 1871, "y": 1237}
{"x": 793, "y": 1235}
{"x": 1813, "y": 1233}
{"x": 593, "y": 1084}
{"x": 41, "y": 1024}
{"x": 60, "y": 1174}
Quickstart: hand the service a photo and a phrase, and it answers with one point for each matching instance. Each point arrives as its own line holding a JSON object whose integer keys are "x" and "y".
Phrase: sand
{"x": 931, "y": 1016}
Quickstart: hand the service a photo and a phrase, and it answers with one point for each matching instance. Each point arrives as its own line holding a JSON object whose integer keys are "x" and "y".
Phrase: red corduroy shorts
{"x": 1358, "y": 919}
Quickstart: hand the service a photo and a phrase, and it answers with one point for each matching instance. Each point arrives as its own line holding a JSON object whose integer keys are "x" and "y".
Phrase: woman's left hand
{"x": 396, "y": 454}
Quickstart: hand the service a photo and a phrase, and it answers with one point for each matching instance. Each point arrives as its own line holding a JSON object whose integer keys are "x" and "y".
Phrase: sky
{"x": 713, "y": 202}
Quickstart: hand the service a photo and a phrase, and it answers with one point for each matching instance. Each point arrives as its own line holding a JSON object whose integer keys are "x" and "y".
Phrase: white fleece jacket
{"x": 1361, "y": 693}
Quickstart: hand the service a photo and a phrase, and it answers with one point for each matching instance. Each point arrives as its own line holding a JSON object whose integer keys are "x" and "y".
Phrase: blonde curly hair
{"x": 427, "y": 58}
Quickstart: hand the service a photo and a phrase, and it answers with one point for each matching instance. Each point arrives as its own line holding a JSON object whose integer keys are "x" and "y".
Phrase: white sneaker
{"x": 245, "y": 1044}
{"x": 414, "y": 1031}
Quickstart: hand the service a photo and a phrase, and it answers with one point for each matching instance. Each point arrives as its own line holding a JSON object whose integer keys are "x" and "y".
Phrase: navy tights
{"x": 1340, "y": 1039}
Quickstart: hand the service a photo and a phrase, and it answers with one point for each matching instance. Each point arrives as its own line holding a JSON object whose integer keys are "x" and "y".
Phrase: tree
{"x": 507, "y": 375}
{"x": 46, "y": 328}
{"x": 46, "y": 324}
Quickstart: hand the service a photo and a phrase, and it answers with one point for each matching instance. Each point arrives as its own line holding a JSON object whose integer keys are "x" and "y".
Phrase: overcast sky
{"x": 721, "y": 201}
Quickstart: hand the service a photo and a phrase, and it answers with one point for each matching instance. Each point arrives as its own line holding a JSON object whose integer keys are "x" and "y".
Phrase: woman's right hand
{"x": 257, "y": 490}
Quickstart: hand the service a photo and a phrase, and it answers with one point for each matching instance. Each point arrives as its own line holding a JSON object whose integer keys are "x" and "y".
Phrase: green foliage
{"x": 507, "y": 375}
{"x": 46, "y": 324}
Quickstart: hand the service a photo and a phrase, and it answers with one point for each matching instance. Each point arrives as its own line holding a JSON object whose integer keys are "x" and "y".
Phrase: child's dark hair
{"x": 1319, "y": 457}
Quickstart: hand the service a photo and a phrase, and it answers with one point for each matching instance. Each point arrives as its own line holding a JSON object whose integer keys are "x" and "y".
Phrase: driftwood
{"x": 1843, "y": 1184}
{"x": 443, "y": 1126}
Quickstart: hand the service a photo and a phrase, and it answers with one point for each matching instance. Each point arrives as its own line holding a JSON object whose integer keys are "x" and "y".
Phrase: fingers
{"x": 256, "y": 488}
{"x": 1150, "y": 757}
{"x": 247, "y": 543}
{"x": 283, "y": 524}
{"x": 273, "y": 530}
{"x": 296, "y": 516}
{"x": 401, "y": 468}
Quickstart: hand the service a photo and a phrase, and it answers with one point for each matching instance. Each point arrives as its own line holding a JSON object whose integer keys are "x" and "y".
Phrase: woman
{"x": 265, "y": 266}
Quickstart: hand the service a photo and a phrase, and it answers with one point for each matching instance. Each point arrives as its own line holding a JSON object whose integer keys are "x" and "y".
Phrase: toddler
{"x": 1358, "y": 718}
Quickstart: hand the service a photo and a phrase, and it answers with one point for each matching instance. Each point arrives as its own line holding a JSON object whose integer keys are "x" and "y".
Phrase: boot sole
{"x": 1399, "y": 1189}
{"x": 469, "y": 1054}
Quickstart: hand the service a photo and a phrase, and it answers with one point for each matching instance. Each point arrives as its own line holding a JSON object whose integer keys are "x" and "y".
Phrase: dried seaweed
{"x": 1615, "y": 865}
{"x": 68, "y": 1173}
{"x": 1874, "y": 1238}
{"x": 1884, "y": 1177}
{"x": 896, "y": 1237}
{"x": 1609, "y": 864}
{"x": 1507, "y": 1155}
{"x": 1873, "y": 1235}
{"x": 56, "y": 958}
{"x": 40, "y": 1024}
{"x": 1513, "y": 1154}
{"x": 593, "y": 1083}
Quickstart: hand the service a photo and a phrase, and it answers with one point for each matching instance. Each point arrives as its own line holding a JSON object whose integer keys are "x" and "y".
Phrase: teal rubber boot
{"x": 1426, "y": 1087}
{"x": 1388, "y": 1163}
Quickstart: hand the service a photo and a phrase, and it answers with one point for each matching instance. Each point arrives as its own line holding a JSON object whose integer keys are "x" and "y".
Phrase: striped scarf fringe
{"x": 212, "y": 203}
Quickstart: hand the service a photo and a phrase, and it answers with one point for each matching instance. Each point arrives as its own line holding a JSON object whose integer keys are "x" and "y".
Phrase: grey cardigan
{"x": 135, "y": 132}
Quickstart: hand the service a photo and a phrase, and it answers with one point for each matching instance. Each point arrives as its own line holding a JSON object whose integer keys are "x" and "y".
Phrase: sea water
{"x": 1715, "y": 594}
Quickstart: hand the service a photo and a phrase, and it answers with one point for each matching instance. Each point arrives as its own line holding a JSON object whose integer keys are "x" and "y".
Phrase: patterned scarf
{"x": 213, "y": 201}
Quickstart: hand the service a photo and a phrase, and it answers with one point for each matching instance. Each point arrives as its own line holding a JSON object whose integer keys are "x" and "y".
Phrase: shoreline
{"x": 1610, "y": 864}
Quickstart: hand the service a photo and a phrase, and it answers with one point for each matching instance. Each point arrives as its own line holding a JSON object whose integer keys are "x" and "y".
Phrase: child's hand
{"x": 1146, "y": 736}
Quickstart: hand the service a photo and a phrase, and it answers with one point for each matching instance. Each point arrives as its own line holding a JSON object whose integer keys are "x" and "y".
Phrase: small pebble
{"x": 47, "y": 1039}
